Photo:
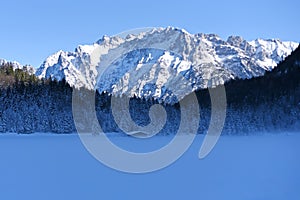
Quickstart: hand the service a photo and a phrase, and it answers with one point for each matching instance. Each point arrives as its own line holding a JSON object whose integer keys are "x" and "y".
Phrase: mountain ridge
{"x": 144, "y": 64}
{"x": 268, "y": 103}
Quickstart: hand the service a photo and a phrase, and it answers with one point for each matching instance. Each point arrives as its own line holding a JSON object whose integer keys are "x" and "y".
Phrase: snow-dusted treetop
{"x": 149, "y": 63}
{"x": 15, "y": 65}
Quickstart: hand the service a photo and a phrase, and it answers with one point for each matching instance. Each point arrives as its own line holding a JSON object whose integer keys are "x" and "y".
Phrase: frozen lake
{"x": 44, "y": 166}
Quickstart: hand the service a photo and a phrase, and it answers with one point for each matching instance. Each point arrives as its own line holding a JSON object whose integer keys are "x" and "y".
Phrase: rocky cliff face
{"x": 154, "y": 63}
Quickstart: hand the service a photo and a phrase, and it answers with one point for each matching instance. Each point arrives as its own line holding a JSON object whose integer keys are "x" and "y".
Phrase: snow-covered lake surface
{"x": 54, "y": 167}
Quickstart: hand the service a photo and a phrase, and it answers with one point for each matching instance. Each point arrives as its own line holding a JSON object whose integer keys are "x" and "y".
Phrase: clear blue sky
{"x": 31, "y": 30}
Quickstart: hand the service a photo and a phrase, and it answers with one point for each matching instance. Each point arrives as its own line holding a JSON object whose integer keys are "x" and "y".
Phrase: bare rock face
{"x": 163, "y": 61}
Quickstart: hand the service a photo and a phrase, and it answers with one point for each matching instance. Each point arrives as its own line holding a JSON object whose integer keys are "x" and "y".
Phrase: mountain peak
{"x": 233, "y": 39}
{"x": 144, "y": 64}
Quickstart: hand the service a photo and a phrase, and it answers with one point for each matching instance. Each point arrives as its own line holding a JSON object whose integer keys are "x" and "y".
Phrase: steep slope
{"x": 267, "y": 103}
{"x": 157, "y": 63}
{"x": 290, "y": 66}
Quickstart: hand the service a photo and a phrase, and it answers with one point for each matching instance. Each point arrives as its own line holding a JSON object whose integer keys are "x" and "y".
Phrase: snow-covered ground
{"x": 47, "y": 166}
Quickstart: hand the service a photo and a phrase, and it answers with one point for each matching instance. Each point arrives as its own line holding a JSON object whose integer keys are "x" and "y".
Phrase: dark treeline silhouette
{"x": 268, "y": 103}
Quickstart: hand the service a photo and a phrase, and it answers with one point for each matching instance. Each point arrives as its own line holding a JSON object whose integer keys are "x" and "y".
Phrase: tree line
{"x": 267, "y": 103}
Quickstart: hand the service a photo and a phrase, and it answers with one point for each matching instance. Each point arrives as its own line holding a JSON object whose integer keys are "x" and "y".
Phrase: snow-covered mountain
{"x": 158, "y": 62}
{"x": 30, "y": 69}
